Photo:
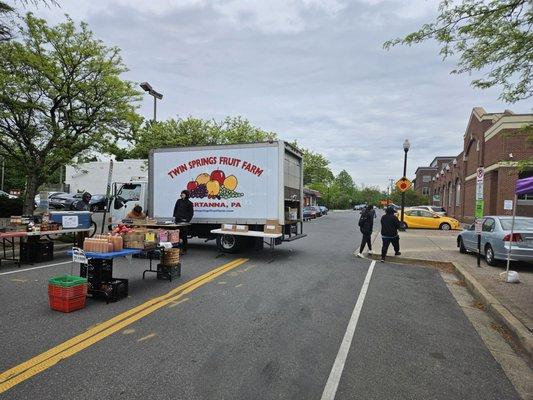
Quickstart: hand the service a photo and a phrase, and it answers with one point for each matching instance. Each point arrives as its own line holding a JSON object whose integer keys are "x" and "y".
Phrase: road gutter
{"x": 502, "y": 315}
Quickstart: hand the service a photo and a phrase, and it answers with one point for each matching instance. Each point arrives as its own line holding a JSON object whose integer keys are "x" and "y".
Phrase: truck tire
{"x": 228, "y": 243}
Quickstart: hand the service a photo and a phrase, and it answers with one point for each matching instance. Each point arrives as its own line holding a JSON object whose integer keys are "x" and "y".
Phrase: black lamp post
{"x": 156, "y": 95}
{"x": 406, "y": 146}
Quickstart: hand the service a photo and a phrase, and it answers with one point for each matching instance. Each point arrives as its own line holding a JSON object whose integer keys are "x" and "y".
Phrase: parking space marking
{"x": 175, "y": 303}
{"x": 16, "y": 271}
{"x": 42, "y": 362}
{"x": 149, "y": 336}
{"x": 330, "y": 390}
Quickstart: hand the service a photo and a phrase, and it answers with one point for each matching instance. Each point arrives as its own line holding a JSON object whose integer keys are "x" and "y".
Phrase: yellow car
{"x": 425, "y": 219}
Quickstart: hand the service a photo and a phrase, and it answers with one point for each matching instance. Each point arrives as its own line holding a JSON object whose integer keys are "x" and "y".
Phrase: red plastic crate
{"x": 67, "y": 305}
{"x": 67, "y": 292}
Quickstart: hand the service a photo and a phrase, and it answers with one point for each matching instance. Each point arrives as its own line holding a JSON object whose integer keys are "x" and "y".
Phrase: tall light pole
{"x": 406, "y": 146}
{"x": 156, "y": 95}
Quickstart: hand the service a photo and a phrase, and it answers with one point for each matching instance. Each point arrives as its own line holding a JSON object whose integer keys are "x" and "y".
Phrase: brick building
{"x": 491, "y": 140}
{"x": 424, "y": 175}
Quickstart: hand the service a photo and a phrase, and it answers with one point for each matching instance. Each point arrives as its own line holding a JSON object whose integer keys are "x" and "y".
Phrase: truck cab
{"x": 127, "y": 195}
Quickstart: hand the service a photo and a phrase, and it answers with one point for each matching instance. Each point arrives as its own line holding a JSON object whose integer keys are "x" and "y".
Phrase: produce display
{"x": 214, "y": 186}
{"x": 103, "y": 244}
{"x": 32, "y": 224}
{"x": 121, "y": 229}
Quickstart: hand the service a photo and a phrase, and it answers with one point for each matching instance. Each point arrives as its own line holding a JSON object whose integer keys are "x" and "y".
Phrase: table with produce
{"x": 123, "y": 241}
{"x": 33, "y": 234}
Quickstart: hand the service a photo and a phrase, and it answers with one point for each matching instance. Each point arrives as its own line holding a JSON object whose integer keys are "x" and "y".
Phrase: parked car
{"x": 359, "y": 207}
{"x": 415, "y": 218}
{"x": 435, "y": 209}
{"x": 10, "y": 196}
{"x": 496, "y": 237}
{"x": 323, "y": 209}
{"x": 37, "y": 198}
{"x": 309, "y": 212}
{"x": 318, "y": 210}
{"x": 64, "y": 201}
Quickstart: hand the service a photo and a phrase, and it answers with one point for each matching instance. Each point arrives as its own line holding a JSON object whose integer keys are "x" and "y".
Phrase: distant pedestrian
{"x": 366, "y": 225}
{"x": 389, "y": 232}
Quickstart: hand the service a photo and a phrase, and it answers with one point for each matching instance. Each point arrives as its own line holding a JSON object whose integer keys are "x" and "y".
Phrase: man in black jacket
{"x": 183, "y": 212}
{"x": 366, "y": 224}
{"x": 389, "y": 232}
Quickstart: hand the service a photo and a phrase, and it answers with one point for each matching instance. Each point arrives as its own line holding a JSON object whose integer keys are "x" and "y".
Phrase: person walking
{"x": 389, "y": 233}
{"x": 183, "y": 212}
{"x": 366, "y": 224}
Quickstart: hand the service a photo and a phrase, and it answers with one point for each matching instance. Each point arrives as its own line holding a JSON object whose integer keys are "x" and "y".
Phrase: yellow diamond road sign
{"x": 403, "y": 184}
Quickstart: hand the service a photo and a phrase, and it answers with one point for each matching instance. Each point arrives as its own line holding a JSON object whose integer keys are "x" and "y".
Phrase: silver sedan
{"x": 496, "y": 238}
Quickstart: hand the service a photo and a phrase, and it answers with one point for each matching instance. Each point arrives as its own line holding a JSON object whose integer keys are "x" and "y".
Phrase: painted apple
{"x": 219, "y": 176}
{"x": 192, "y": 185}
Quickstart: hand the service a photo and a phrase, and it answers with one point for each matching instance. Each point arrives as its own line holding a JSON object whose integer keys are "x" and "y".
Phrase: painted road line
{"x": 26, "y": 370}
{"x": 16, "y": 271}
{"x": 104, "y": 325}
{"x": 338, "y": 366}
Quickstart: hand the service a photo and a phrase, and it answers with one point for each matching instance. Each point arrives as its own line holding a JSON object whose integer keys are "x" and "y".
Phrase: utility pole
{"x": 3, "y": 174}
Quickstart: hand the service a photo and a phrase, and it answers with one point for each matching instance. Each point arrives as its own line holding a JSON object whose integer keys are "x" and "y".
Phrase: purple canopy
{"x": 524, "y": 186}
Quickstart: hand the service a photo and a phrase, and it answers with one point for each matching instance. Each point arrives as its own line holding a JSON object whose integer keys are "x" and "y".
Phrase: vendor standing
{"x": 183, "y": 212}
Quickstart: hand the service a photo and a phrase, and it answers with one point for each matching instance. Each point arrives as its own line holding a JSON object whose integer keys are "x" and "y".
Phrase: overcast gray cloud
{"x": 310, "y": 70}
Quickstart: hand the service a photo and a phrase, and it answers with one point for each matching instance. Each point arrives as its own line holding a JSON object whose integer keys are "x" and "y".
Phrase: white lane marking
{"x": 338, "y": 366}
{"x": 32, "y": 268}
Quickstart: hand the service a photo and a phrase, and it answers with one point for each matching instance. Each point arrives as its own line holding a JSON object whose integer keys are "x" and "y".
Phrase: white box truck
{"x": 244, "y": 184}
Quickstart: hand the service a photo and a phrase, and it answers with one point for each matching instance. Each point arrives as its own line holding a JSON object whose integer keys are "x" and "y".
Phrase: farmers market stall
{"x": 98, "y": 254}
{"x": 33, "y": 235}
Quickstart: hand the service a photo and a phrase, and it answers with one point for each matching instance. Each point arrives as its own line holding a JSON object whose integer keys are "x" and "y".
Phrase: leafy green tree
{"x": 493, "y": 37}
{"x": 316, "y": 168}
{"x": 7, "y": 12}
{"x": 190, "y": 132}
{"x": 412, "y": 198}
{"x": 370, "y": 195}
{"x": 61, "y": 96}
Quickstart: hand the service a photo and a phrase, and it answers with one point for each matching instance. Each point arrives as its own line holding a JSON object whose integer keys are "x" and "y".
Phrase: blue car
{"x": 496, "y": 236}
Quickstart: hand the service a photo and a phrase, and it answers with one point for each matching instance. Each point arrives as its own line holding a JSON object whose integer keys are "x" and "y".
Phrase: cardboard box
{"x": 133, "y": 245}
{"x": 228, "y": 227}
{"x": 272, "y": 226}
{"x": 291, "y": 214}
{"x": 241, "y": 228}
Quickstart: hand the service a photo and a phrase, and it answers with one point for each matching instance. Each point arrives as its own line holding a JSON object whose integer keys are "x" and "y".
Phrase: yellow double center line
{"x": 27, "y": 369}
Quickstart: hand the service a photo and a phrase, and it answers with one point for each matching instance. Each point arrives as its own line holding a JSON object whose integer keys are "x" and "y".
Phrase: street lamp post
{"x": 156, "y": 95}
{"x": 406, "y": 146}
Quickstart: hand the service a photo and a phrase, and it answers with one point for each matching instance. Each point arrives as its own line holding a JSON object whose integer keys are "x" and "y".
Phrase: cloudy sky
{"x": 310, "y": 70}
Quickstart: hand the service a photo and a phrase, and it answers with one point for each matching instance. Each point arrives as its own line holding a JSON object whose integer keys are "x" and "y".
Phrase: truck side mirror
{"x": 118, "y": 204}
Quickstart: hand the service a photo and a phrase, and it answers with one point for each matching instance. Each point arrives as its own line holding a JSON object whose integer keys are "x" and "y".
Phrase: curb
{"x": 501, "y": 314}
{"x": 498, "y": 311}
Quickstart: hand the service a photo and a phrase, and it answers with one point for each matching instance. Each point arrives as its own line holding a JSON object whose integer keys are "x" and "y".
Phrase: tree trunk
{"x": 32, "y": 183}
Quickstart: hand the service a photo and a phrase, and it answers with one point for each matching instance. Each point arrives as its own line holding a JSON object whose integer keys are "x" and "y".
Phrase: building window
{"x": 425, "y": 190}
{"x": 450, "y": 195}
{"x": 457, "y": 193}
{"x": 426, "y": 178}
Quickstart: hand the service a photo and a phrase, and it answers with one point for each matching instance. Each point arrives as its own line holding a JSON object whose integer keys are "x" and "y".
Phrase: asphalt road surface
{"x": 308, "y": 322}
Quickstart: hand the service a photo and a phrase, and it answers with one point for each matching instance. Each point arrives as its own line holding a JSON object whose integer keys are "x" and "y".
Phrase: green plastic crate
{"x": 67, "y": 280}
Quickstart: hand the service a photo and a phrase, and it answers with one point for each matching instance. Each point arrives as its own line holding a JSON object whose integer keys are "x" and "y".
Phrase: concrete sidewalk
{"x": 441, "y": 247}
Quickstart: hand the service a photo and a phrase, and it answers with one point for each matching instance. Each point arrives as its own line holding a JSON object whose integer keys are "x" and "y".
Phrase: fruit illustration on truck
{"x": 214, "y": 186}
